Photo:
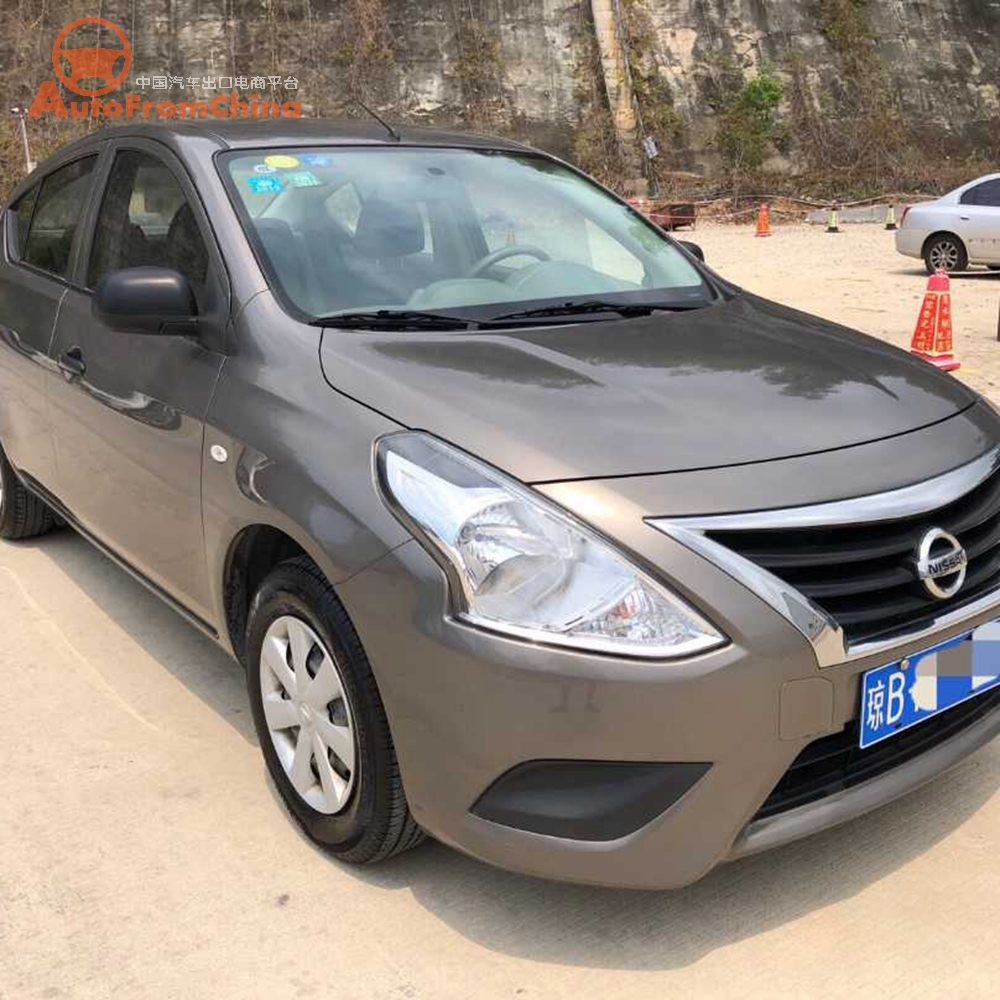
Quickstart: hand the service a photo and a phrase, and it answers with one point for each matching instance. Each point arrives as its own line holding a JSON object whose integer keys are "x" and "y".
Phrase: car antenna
{"x": 395, "y": 135}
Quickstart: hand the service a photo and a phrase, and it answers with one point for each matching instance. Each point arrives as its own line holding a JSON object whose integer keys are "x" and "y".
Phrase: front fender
{"x": 283, "y": 449}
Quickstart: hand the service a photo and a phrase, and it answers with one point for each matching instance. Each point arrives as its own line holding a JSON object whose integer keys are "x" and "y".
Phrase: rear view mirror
{"x": 146, "y": 300}
{"x": 693, "y": 249}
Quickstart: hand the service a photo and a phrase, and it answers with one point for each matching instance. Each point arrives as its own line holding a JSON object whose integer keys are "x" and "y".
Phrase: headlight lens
{"x": 523, "y": 566}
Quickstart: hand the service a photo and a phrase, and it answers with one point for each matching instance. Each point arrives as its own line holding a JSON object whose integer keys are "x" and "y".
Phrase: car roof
{"x": 244, "y": 133}
{"x": 257, "y": 133}
{"x": 241, "y": 133}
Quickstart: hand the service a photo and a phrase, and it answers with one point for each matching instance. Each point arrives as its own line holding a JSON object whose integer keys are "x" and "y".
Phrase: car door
{"x": 979, "y": 216}
{"x": 41, "y": 229}
{"x": 128, "y": 408}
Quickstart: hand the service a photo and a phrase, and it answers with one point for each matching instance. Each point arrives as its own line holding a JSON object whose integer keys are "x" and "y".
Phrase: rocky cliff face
{"x": 531, "y": 68}
{"x": 505, "y": 64}
{"x": 939, "y": 61}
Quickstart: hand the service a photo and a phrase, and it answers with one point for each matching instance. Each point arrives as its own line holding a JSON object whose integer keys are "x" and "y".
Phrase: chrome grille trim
{"x": 909, "y": 501}
{"x": 825, "y": 636}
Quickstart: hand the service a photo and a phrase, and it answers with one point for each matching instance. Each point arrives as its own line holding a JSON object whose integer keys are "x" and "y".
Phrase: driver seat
{"x": 386, "y": 235}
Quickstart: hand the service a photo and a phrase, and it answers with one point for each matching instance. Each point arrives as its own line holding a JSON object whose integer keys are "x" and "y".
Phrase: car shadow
{"x": 920, "y": 272}
{"x": 189, "y": 655}
{"x": 620, "y": 929}
{"x": 545, "y": 921}
{"x": 975, "y": 276}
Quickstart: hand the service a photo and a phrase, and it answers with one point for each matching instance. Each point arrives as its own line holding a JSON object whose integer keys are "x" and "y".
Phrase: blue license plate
{"x": 900, "y": 695}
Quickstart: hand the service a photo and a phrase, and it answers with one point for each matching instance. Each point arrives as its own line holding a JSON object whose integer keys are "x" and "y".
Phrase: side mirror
{"x": 693, "y": 249}
{"x": 146, "y": 300}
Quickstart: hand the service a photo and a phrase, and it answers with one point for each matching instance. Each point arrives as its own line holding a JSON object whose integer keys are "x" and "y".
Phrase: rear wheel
{"x": 993, "y": 267}
{"x": 945, "y": 253}
{"x": 22, "y": 514}
{"x": 320, "y": 719}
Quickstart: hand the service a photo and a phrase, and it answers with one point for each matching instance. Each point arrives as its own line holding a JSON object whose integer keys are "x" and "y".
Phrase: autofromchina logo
{"x": 111, "y": 66}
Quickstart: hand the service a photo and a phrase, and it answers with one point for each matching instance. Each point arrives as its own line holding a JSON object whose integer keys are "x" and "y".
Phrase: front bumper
{"x": 466, "y": 707}
{"x": 773, "y": 831}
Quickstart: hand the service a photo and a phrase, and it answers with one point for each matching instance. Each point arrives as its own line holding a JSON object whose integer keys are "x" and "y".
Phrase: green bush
{"x": 747, "y": 124}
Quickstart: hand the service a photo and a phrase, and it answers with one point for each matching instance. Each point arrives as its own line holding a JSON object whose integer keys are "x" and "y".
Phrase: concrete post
{"x": 621, "y": 98}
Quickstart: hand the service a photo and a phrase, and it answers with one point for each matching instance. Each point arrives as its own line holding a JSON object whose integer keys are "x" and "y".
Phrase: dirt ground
{"x": 143, "y": 853}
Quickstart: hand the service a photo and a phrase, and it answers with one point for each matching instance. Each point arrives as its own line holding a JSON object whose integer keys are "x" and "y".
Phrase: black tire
{"x": 375, "y": 823}
{"x": 22, "y": 514}
{"x": 993, "y": 267}
{"x": 949, "y": 248}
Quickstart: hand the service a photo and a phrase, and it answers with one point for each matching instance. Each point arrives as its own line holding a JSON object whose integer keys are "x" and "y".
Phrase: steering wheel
{"x": 514, "y": 250}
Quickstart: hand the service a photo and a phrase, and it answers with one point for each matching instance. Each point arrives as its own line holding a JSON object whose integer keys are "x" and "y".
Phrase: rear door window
{"x": 987, "y": 193}
{"x": 57, "y": 215}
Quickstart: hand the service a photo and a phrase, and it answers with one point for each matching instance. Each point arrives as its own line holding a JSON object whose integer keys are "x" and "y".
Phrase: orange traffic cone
{"x": 932, "y": 339}
{"x": 764, "y": 220}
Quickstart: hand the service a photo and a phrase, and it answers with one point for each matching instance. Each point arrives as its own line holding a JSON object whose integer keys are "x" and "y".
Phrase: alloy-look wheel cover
{"x": 308, "y": 714}
{"x": 944, "y": 255}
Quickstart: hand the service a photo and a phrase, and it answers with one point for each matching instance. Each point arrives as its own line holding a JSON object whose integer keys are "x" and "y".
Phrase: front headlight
{"x": 522, "y": 566}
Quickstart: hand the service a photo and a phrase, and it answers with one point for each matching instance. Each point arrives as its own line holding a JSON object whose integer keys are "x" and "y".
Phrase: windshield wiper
{"x": 394, "y": 319}
{"x": 414, "y": 319}
{"x": 586, "y": 306}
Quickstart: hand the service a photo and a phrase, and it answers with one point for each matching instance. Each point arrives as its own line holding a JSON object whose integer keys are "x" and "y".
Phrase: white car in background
{"x": 959, "y": 229}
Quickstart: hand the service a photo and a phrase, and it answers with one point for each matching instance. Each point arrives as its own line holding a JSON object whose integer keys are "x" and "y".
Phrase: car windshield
{"x": 464, "y": 232}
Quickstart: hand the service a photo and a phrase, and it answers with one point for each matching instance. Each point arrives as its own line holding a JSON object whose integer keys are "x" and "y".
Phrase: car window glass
{"x": 528, "y": 218}
{"x": 22, "y": 213}
{"x": 146, "y": 221}
{"x": 344, "y": 206}
{"x": 425, "y": 215}
{"x": 431, "y": 229}
{"x": 609, "y": 256}
{"x": 56, "y": 216}
{"x": 987, "y": 193}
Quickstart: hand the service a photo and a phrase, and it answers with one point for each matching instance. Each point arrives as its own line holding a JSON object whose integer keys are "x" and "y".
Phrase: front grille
{"x": 836, "y": 762}
{"x": 864, "y": 575}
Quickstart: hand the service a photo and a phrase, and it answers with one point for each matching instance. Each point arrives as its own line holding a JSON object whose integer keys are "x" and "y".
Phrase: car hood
{"x": 744, "y": 380}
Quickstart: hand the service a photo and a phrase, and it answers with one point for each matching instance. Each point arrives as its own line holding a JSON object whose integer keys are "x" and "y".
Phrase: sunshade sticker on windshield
{"x": 315, "y": 160}
{"x": 264, "y": 185}
{"x": 302, "y": 179}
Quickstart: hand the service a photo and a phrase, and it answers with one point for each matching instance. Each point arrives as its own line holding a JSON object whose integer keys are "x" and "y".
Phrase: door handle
{"x": 71, "y": 362}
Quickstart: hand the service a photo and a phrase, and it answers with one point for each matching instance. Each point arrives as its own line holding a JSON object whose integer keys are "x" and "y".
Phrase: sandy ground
{"x": 143, "y": 852}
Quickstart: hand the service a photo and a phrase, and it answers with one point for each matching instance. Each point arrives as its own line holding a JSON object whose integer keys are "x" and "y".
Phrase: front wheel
{"x": 22, "y": 514}
{"x": 320, "y": 719}
{"x": 945, "y": 253}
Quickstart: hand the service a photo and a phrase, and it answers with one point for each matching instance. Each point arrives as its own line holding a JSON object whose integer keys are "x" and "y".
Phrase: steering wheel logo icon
{"x": 93, "y": 63}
